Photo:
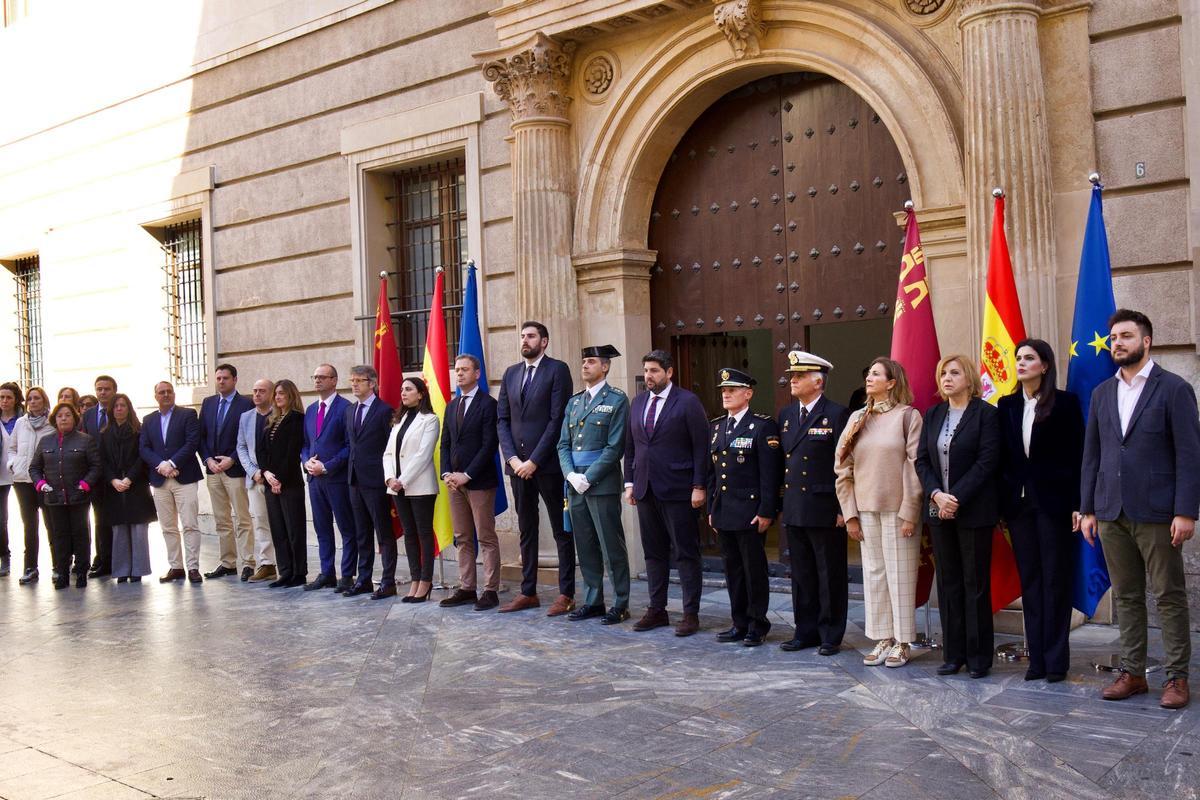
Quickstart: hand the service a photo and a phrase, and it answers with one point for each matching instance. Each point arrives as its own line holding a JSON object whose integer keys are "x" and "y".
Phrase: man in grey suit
{"x": 251, "y": 426}
{"x": 1138, "y": 481}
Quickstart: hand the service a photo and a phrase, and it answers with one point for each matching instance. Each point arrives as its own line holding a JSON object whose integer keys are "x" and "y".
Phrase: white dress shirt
{"x": 595, "y": 390}
{"x": 662, "y": 398}
{"x": 1027, "y": 420}
{"x": 466, "y": 398}
{"x": 1128, "y": 393}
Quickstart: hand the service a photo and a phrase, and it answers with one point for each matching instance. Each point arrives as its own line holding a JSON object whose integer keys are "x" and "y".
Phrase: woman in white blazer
{"x": 412, "y": 481}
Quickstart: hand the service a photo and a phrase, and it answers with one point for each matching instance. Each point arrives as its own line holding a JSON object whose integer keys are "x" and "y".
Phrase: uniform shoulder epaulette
{"x": 577, "y": 394}
{"x": 715, "y": 420}
{"x": 617, "y": 390}
{"x": 764, "y": 416}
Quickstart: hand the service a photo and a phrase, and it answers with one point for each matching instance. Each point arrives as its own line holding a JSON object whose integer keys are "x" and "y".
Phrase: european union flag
{"x": 470, "y": 342}
{"x": 1091, "y": 364}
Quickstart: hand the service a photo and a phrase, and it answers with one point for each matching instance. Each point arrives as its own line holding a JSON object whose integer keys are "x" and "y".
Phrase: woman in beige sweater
{"x": 880, "y": 495}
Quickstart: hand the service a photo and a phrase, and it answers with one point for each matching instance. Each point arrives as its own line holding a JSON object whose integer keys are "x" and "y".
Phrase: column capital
{"x": 977, "y": 10}
{"x": 742, "y": 23}
{"x": 531, "y": 77}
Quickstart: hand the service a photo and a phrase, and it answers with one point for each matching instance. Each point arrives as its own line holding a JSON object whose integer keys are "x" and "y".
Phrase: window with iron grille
{"x": 429, "y": 226}
{"x": 183, "y": 288}
{"x": 27, "y": 274}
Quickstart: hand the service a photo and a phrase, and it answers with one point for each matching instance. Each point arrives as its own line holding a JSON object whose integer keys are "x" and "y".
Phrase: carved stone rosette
{"x": 532, "y": 78}
{"x": 742, "y": 23}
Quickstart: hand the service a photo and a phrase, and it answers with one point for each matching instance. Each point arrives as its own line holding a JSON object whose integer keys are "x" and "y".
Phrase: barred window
{"x": 27, "y": 274}
{"x": 429, "y": 226}
{"x": 183, "y": 289}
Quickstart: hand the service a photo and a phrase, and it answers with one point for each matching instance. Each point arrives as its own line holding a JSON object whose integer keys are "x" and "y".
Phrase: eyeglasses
{"x": 322, "y": 377}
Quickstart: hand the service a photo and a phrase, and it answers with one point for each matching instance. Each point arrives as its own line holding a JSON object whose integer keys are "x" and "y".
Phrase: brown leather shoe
{"x": 520, "y": 603}
{"x": 194, "y": 576}
{"x": 653, "y": 618}
{"x": 1175, "y": 693}
{"x": 266, "y": 572}
{"x": 688, "y": 625}
{"x": 172, "y": 575}
{"x": 561, "y": 605}
{"x": 1125, "y": 686}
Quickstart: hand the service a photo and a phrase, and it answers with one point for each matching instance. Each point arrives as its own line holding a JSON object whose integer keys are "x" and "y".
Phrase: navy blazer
{"x": 974, "y": 463}
{"x": 91, "y": 424}
{"x": 675, "y": 458}
{"x": 365, "y": 445}
{"x": 332, "y": 447}
{"x": 222, "y": 442}
{"x": 472, "y": 449}
{"x": 809, "y": 451}
{"x": 183, "y": 437}
{"x": 1049, "y": 475}
{"x": 1148, "y": 474}
{"x": 529, "y": 428}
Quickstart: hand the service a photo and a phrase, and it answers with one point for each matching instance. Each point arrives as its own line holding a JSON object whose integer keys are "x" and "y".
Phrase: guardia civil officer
{"x": 809, "y": 429}
{"x": 743, "y": 490}
{"x": 590, "y": 447}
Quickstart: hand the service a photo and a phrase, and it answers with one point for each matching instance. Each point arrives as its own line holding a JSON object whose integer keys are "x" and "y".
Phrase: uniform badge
{"x": 724, "y": 374}
{"x": 824, "y": 420}
{"x": 741, "y": 459}
{"x": 773, "y": 442}
{"x": 751, "y": 426}
{"x": 785, "y": 424}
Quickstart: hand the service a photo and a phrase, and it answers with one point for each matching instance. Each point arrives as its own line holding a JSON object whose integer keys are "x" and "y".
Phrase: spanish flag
{"x": 436, "y": 372}
{"x": 1003, "y": 327}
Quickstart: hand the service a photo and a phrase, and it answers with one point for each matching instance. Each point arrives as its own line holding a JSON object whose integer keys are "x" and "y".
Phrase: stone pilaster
{"x": 1007, "y": 145}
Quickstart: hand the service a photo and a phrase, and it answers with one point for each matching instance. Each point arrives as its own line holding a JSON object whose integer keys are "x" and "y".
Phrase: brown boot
{"x": 653, "y": 618}
{"x": 1125, "y": 686}
{"x": 561, "y": 605}
{"x": 688, "y": 625}
{"x": 1175, "y": 693}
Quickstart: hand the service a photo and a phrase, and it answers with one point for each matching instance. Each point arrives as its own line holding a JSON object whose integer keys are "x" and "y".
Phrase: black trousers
{"x": 549, "y": 487}
{"x": 70, "y": 538}
{"x": 1045, "y": 553}
{"x": 820, "y": 583}
{"x": 104, "y": 533}
{"x": 4, "y": 553}
{"x": 416, "y": 518}
{"x": 746, "y": 576}
{"x": 964, "y": 581}
{"x": 372, "y": 516}
{"x": 30, "y": 501}
{"x": 670, "y": 533}
{"x": 289, "y": 531}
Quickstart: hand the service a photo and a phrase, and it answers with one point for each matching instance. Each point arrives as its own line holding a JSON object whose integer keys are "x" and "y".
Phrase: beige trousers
{"x": 473, "y": 515}
{"x": 178, "y": 505}
{"x": 229, "y": 495}
{"x": 890, "y": 563}
{"x": 264, "y": 548}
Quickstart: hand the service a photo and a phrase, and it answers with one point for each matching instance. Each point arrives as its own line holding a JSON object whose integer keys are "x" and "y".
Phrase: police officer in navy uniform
{"x": 809, "y": 429}
{"x": 743, "y": 490}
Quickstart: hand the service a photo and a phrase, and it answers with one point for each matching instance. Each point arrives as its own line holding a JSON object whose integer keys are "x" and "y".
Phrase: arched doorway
{"x": 773, "y": 223}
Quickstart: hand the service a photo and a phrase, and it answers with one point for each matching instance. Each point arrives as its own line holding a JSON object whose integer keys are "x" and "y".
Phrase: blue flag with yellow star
{"x": 1091, "y": 364}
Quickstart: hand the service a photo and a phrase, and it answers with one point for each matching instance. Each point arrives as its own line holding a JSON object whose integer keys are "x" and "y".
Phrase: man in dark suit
{"x": 326, "y": 448}
{"x": 743, "y": 501}
{"x": 225, "y": 478}
{"x": 94, "y": 420}
{"x": 1140, "y": 482}
{"x": 666, "y": 460}
{"x": 809, "y": 430}
{"x": 368, "y": 423}
{"x": 167, "y": 444}
{"x": 533, "y": 398}
{"x": 468, "y": 458}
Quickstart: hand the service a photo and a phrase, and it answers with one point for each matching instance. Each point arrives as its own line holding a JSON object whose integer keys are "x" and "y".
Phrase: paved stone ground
{"x": 234, "y": 690}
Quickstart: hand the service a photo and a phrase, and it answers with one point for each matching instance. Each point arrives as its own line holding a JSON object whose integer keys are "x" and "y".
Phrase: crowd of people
{"x": 876, "y": 475}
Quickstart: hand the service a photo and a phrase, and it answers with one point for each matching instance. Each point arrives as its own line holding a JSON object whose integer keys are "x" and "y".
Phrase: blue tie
{"x": 221, "y": 413}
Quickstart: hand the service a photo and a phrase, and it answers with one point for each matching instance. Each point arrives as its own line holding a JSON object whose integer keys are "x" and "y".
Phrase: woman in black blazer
{"x": 279, "y": 458}
{"x": 1042, "y": 449}
{"x": 958, "y": 460}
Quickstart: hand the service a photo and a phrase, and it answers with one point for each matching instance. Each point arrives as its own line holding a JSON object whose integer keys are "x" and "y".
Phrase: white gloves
{"x": 578, "y": 482}
{"x": 47, "y": 488}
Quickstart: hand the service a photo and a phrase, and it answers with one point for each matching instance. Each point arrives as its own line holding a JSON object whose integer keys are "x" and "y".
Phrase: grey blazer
{"x": 246, "y": 445}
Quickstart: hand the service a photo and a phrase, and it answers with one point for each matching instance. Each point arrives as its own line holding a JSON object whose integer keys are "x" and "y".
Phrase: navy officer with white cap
{"x": 743, "y": 491}
{"x": 809, "y": 429}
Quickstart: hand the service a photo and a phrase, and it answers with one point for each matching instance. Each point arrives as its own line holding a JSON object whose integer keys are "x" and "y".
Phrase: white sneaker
{"x": 898, "y": 656}
{"x": 880, "y": 653}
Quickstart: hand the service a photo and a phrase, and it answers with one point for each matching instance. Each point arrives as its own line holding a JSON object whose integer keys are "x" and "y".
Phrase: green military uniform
{"x": 592, "y": 444}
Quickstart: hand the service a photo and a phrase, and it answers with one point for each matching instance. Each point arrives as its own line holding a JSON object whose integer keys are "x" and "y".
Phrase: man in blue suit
{"x": 225, "y": 478}
{"x": 326, "y": 448}
{"x": 93, "y": 422}
{"x": 666, "y": 469}
{"x": 167, "y": 444}
{"x": 368, "y": 424}
{"x": 533, "y": 398}
{"x": 1141, "y": 488}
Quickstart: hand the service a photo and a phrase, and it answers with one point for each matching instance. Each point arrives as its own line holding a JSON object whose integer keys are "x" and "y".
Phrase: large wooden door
{"x": 774, "y": 214}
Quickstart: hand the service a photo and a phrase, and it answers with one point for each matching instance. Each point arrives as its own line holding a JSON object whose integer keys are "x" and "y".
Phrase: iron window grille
{"x": 183, "y": 289}
{"x": 27, "y": 275}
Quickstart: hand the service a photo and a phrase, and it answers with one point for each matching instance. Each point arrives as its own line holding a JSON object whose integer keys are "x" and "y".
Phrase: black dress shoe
{"x": 980, "y": 673}
{"x": 343, "y": 583}
{"x": 98, "y": 572}
{"x": 586, "y": 612}
{"x": 828, "y": 650}
{"x": 246, "y": 573}
{"x": 220, "y": 572}
{"x": 122, "y": 579}
{"x": 80, "y": 580}
{"x": 1055, "y": 677}
{"x": 322, "y": 581}
{"x": 792, "y": 645}
{"x": 753, "y": 639}
{"x": 385, "y": 590}
{"x": 279, "y": 582}
{"x": 487, "y": 601}
{"x": 61, "y": 583}
{"x": 360, "y": 588}
{"x": 461, "y": 597}
{"x": 615, "y": 616}
{"x": 949, "y": 668}
{"x": 136, "y": 579}
{"x": 1034, "y": 675}
{"x": 731, "y": 635}
{"x": 299, "y": 580}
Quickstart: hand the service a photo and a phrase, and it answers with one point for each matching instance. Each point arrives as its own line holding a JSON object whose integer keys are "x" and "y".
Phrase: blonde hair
{"x": 968, "y": 366}
{"x": 293, "y": 397}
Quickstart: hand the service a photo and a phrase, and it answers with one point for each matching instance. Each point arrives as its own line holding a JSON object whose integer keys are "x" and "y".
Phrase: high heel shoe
{"x": 420, "y": 598}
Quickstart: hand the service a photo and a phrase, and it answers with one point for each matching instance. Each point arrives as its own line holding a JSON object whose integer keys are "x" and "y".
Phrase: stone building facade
{"x": 266, "y": 161}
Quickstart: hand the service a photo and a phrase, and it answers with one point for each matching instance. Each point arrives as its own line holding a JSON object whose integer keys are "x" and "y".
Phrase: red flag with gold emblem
{"x": 387, "y": 364}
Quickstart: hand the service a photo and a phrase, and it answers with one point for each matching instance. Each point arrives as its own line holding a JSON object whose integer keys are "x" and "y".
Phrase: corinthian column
{"x": 1008, "y": 146}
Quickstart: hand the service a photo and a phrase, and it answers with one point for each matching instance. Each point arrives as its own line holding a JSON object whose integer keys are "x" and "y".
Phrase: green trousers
{"x": 599, "y": 538}
{"x": 1135, "y": 551}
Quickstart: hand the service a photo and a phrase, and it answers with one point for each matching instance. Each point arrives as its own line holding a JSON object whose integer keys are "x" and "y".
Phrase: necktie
{"x": 650, "y": 416}
{"x": 358, "y": 416}
{"x": 99, "y": 417}
{"x": 528, "y": 380}
{"x": 803, "y": 414}
{"x": 461, "y": 411}
{"x": 221, "y": 409}
{"x": 320, "y": 417}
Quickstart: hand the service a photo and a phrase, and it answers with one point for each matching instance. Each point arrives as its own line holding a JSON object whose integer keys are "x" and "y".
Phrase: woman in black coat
{"x": 1042, "y": 449}
{"x": 958, "y": 460}
{"x": 279, "y": 459}
{"x": 128, "y": 504}
{"x": 66, "y": 470}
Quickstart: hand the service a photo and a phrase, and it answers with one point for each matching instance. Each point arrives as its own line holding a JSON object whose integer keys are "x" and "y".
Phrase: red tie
{"x": 650, "y": 416}
{"x": 320, "y": 417}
